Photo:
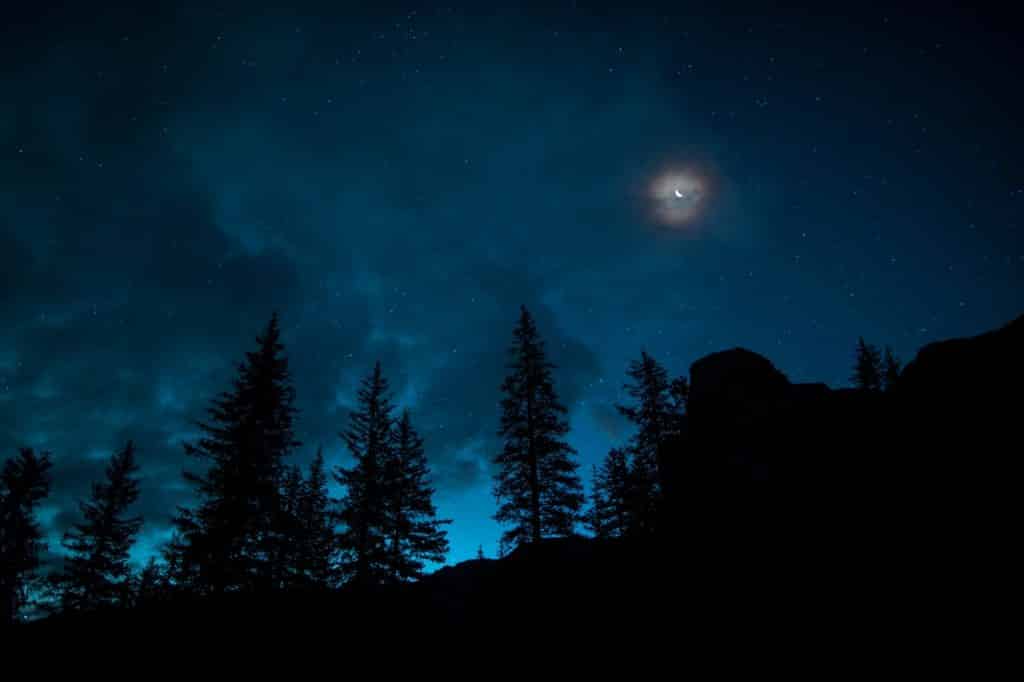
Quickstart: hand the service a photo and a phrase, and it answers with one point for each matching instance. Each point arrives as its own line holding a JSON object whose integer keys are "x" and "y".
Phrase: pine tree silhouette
{"x": 416, "y": 534}
{"x": 153, "y": 584}
{"x": 867, "y": 369}
{"x": 892, "y": 369}
{"x": 592, "y": 517}
{"x": 655, "y": 411}
{"x": 310, "y": 560}
{"x": 290, "y": 524}
{"x": 233, "y": 539}
{"x": 24, "y": 483}
{"x": 363, "y": 508}
{"x": 537, "y": 486}
{"x": 612, "y": 497}
{"x": 319, "y": 525}
{"x": 97, "y": 573}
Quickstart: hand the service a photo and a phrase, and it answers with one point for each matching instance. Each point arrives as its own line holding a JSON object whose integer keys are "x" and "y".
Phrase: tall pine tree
{"x": 612, "y": 496}
{"x": 891, "y": 371}
{"x": 867, "y": 368}
{"x": 233, "y": 539}
{"x": 318, "y": 526}
{"x": 97, "y": 573}
{"x": 538, "y": 489}
{"x": 363, "y": 508}
{"x": 290, "y": 523}
{"x": 592, "y": 517}
{"x": 416, "y": 535}
{"x": 24, "y": 483}
{"x": 153, "y": 583}
{"x": 655, "y": 411}
{"x": 311, "y": 552}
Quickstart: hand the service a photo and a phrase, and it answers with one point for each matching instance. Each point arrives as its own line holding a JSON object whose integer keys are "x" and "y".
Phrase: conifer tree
{"x": 612, "y": 496}
{"x": 313, "y": 530}
{"x": 233, "y": 539}
{"x": 867, "y": 369}
{"x": 363, "y": 507}
{"x": 24, "y": 483}
{"x": 97, "y": 573}
{"x": 592, "y": 518}
{"x": 654, "y": 410}
{"x": 152, "y": 583}
{"x": 416, "y": 535}
{"x": 290, "y": 525}
{"x": 892, "y": 370}
{"x": 537, "y": 486}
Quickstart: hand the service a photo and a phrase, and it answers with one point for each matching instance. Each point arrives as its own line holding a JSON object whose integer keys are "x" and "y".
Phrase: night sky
{"x": 397, "y": 182}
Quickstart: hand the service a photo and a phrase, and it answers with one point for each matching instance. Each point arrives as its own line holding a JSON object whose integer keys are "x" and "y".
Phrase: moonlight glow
{"x": 677, "y": 197}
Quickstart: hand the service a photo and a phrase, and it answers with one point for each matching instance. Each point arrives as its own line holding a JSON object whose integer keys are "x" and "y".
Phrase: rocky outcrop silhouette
{"x": 747, "y": 423}
{"x": 916, "y": 484}
{"x": 755, "y": 444}
{"x": 960, "y": 415}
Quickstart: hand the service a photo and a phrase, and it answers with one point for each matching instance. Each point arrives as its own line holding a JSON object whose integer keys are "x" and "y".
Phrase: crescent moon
{"x": 679, "y": 194}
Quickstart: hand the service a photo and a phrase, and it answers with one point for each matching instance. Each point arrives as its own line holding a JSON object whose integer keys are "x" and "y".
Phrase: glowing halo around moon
{"x": 678, "y": 197}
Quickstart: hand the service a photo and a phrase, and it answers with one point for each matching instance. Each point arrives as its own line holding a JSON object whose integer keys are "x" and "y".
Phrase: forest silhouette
{"x": 738, "y": 492}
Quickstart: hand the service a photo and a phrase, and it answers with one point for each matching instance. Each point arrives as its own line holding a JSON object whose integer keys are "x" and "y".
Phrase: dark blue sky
{"x": 397, "y": 182}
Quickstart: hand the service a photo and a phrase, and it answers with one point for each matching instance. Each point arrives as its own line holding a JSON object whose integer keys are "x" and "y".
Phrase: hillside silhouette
{"x": 777, "y": 497}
